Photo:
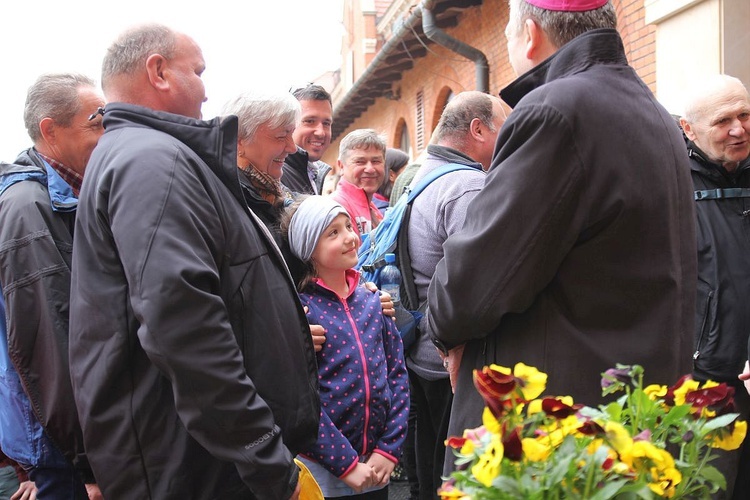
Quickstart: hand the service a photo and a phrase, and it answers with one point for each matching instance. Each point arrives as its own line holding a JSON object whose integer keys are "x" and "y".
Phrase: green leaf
{"x": 676, "y": 415}
{"x": 722, "y": 421}
{"x": 712, "y": 474}
{"x": 610, "y": 489}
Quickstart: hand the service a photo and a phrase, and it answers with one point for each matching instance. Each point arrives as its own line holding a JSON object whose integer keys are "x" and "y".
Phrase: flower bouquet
{"x": 652, "y": 442}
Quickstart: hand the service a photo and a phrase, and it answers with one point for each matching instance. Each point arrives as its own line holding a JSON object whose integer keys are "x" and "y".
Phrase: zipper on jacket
{"x": 363, "y": 358}
{"x": 697, "y": 352}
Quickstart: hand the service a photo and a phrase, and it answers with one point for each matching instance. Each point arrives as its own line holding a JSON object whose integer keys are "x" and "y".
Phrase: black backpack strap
{"x": 720, "y": 194}
{"x": 409, "y": 296}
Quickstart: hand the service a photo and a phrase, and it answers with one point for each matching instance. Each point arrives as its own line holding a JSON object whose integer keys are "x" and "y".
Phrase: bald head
{"x": 717, "y": 120}
{"x": 470, "y": 123}
{"x": 153, "y": 66}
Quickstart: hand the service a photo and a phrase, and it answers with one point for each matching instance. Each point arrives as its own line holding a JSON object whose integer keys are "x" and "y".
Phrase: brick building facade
{"x": 397, "y": 81}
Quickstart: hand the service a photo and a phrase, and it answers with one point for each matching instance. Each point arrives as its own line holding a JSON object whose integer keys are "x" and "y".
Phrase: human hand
{"x": 360, "y": 478}
{"x": 382, "y": 468}
{"x": 26, "y": 491}
{"x": 297, "y": 490}
{"x": 386, "y": 302}
{"x": 318, "y": 335}
{"x": 745, "y": 376}
{"x": 452, "y": 362}
{"x": 94, "y": 492}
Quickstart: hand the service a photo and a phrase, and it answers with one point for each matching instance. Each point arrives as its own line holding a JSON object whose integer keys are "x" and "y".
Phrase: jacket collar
{"x": 349, "y": 190}
{"x": 599, "y": 46}
{"x": 705, "y": 166}
{"x": 452, "y": 155}
{"x": 298, "y": 160}
{"x": 30, "y": 166}
{"x": 214, "y": 141}
{"x": 352, "y": 279}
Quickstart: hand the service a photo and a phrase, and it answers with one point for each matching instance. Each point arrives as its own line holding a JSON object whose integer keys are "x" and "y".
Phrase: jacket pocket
{"x": 705, "y": 314}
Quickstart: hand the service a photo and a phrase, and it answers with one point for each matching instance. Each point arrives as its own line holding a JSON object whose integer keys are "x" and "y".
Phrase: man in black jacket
{"x": 578, "y": 253}
{"x": 304, "y": 172}
{"x": 191, "y": 359}
{"x": 717, "y": 125}
{"x": 38, "y": 200}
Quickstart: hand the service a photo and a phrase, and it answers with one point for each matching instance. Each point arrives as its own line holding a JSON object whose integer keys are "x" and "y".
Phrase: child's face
{"x": 337, "y": 246}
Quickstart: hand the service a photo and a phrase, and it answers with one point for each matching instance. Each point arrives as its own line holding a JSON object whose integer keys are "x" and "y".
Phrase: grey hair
{"x": 456, "y": 119}
{"x": 362, "y": 138}
{"x": 562, "y": 27}
{"x": 696, "y": 104}
{"x": 254, "y": 109}
{"x": 129, "y": 52}
{"x": 53, "y": 96}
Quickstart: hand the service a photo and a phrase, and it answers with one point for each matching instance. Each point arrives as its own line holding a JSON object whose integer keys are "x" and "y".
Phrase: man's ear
{"x": 532, "y": 37}
{"x": 48, "y": 129}
{"x": 156, "y": 66}
{"x": 688, "y": 129}
{"x": 340, "y": 166}
{"x": 538, "y": 45}
{"x": 476, "y": 131}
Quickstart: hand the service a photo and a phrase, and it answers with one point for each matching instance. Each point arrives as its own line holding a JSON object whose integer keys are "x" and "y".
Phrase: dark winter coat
{"x": 579, "y": 251}
{"x": 295, "y": 177}
{"x": 722, "y": 318}
{"x": 192, "y": 362}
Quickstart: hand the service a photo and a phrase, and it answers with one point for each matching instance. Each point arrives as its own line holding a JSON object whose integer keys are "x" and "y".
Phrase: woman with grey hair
{"x": 264, "y": 139}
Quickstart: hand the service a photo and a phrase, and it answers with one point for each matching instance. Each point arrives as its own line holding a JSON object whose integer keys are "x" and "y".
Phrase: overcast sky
{"x": 251, "y": 44}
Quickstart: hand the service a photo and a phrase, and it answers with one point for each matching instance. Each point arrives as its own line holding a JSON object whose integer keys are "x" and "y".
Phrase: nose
{"x": 289, "y": 146}
{"x": 350, "y": 237}
{"x": 739, "y": 128}
{"x": 320, "y": 130}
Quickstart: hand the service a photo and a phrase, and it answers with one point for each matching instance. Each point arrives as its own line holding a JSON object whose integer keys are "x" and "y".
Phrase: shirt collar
{"x": 70, "y": 176}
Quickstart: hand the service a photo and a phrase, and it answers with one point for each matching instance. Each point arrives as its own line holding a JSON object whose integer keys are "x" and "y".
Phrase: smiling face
{"x": 337, "y": 246}
{"x": 313, "y": 134}
{"x": 721, "y": 128}
{"x": 365, "y": 168}
{"x": 267, "y": 149}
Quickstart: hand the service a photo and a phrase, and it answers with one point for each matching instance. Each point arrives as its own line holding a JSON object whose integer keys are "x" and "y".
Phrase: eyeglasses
{"x": 99, "y": 111}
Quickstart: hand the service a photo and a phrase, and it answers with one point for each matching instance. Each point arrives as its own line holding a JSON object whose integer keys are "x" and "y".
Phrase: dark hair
{"x": 312, "y": 92}
{"x": 395, "y": 160}
{"x": 307, "y": 268}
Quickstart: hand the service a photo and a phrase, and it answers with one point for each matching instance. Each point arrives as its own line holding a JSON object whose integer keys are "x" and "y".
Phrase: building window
{"x": 405, "y": 144}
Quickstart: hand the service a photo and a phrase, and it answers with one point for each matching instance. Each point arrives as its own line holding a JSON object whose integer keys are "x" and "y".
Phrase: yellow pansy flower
{"x": 727, "y": 441}
{"x": 655, "y": 391}
{"x": 488, "y": 465}
{"x": 535, "y": 450}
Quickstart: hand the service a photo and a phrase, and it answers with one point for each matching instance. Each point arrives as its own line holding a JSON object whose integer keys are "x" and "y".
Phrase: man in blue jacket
{"x": 39, "y": 425}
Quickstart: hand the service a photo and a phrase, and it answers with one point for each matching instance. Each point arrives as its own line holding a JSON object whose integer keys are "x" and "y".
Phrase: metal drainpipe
{"x": 431, "y": 30}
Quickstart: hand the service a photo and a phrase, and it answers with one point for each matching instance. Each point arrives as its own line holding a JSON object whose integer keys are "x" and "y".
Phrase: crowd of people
{"x": 181, "y": 316}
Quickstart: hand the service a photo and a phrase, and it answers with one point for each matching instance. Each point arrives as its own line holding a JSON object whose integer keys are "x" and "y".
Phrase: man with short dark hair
{"x": 304, "y": 172}
{"x": 39, "y": 425}
{"x": 578, "y": 253}
{"x": 192, "y": 363}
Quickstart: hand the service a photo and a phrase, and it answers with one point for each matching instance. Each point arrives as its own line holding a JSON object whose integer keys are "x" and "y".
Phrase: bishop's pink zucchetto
{"x": 567, "y": 5}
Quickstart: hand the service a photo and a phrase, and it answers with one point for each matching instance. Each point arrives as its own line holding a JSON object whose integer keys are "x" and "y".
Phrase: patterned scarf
{"x": 266, "y": 186}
